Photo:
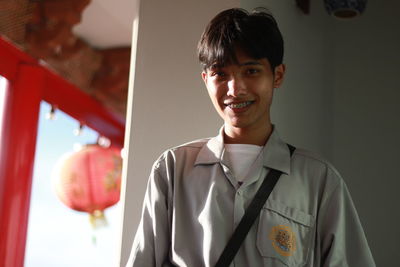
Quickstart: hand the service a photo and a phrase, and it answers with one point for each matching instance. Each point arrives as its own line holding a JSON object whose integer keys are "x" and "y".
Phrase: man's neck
{"x": 233, "y": 135}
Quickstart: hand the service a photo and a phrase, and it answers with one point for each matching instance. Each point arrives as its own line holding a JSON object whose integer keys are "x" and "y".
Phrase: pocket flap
{"x": 290, "y": 213}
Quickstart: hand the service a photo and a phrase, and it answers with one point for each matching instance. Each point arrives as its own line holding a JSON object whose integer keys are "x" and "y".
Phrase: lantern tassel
{"x": 97, "y": 219}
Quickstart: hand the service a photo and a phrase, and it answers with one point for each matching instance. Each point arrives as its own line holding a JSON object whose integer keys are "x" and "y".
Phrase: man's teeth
{"x": 240, "y": 105}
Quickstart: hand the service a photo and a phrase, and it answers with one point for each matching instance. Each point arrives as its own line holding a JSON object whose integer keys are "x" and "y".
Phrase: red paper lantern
{"x": 89, "y": 180}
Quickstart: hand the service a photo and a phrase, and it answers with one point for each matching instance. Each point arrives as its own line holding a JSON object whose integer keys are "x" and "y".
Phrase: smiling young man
{"x": 199, "y": 192}
{"x": 242, "y": 95}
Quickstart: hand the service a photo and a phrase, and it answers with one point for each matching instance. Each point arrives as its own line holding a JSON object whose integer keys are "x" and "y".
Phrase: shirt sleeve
{"x": 152, "y": 240}
{"x": 342, "y": 239}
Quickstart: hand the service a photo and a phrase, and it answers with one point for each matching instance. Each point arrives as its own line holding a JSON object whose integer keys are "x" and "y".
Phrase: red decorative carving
{"x": 50, "y": 31}
{"x": 44, "y": 29}
{"x": 14, "y": 14}
{"x": 112, "y": 76}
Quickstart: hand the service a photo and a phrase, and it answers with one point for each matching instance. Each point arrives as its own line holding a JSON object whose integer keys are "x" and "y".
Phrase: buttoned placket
{"x": 242, "y": 194}
{"x": 241, "y": 190}
{"x": 238, "y": 210}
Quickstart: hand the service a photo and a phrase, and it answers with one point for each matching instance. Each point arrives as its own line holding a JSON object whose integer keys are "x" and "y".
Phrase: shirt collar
{"x": 276, "y": 154}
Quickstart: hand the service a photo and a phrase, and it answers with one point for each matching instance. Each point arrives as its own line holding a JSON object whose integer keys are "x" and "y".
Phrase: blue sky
{"x": 57, "y": 235}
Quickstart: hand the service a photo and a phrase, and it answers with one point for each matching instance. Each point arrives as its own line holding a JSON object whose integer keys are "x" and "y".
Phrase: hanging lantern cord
{"x": 97, "y": 219}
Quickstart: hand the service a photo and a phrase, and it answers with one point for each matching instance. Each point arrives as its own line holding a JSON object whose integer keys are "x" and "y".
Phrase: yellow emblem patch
{"x": 283, "y": 240}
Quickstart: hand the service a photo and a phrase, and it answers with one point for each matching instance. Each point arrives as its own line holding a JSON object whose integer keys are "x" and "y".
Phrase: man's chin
{"x": 235, "y": 124}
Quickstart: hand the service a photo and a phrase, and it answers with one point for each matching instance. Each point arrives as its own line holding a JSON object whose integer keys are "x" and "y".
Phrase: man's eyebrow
{"x": 216, "y": 66}
{"x": 247, "y": 63}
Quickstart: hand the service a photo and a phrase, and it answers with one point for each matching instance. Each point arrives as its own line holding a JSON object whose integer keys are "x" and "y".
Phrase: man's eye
{"x": 220, "y": 74}
{"x": 252, "y": 71}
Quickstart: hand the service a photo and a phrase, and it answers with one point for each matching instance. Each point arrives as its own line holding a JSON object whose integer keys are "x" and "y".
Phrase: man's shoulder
{"x": 311, "y": 156}
{"x": 191, "y": 148}
{"x": 312, "y": 159}
{"x": 184, "y": 154}
{"x": 312, "y": 162}
{"x": 195, "y": 144}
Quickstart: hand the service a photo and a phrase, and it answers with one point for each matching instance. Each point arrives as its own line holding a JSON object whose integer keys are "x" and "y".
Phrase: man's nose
{"x": 236, "y": 86}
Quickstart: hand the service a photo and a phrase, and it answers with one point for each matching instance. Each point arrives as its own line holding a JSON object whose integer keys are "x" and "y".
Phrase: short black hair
{"x": 256, "y": 33}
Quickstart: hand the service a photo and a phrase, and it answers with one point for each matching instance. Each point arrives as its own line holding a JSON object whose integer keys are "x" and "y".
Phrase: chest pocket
{"x": 284, "y": 234}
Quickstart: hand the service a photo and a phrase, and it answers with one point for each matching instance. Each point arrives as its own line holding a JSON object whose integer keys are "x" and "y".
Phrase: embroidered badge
{"x": 283, "y": 240}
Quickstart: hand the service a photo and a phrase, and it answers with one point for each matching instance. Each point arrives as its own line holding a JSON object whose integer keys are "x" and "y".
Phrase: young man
{"x": 198, "y": 192}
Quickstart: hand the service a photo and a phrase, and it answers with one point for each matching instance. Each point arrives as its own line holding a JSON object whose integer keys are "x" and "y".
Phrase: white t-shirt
{"x": 241, "y": 158}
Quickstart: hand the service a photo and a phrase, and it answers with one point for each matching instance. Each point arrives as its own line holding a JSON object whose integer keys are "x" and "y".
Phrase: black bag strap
{"x": 250, "y": 216}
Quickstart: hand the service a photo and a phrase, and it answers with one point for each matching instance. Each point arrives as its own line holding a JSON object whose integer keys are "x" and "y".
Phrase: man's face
{"x": 242, "y": 92}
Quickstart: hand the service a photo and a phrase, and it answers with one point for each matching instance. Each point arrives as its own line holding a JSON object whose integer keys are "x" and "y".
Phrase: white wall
{"x": 169, "y": 104}
{"x": 366, "y": 121}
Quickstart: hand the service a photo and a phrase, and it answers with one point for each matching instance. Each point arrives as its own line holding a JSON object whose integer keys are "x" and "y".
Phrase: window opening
{"x": 59, "y": 236}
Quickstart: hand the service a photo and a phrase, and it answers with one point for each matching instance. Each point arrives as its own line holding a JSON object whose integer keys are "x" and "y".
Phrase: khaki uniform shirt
{"x": 193, "y": 204}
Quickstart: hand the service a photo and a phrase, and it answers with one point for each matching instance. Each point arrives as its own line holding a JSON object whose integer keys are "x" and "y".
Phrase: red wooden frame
{"x": 30, "y": 82}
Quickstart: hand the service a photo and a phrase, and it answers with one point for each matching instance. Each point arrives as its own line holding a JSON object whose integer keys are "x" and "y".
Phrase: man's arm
{"x": 152, "y": 240}
{"x": 342, "y": 239}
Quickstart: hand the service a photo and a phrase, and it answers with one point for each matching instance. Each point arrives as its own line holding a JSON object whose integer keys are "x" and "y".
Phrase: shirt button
{"x": 239, "y": 193}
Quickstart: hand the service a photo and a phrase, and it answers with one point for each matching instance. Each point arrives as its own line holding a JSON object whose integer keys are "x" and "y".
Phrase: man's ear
{"x": 279, "y": 74}
{"x": 204, "y": 76}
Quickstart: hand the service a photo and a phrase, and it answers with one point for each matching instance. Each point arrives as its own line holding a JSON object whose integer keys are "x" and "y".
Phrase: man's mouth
{"x": 239, "y": 105}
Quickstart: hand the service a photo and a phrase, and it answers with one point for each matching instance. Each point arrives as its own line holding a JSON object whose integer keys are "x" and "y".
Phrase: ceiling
{"x": 107, "y": 23}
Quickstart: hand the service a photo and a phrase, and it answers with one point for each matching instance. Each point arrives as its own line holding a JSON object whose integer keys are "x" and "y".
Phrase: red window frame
{"x": 30, "y": 82}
